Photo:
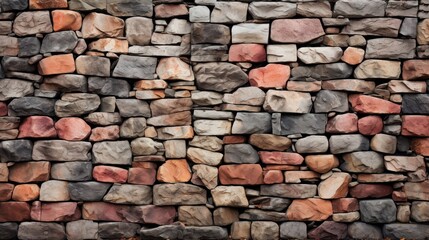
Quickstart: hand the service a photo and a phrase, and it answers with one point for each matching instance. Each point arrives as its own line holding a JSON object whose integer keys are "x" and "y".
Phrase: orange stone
{"x": 241, "y": 174}
{"x": 72, "y": 129}
{"x": 415, "y": 125}
{"x": 66, "y": 20}
{"x": 110, "y": 174}
{"x": 144, "y": 176}
{"x": 273, "y": 176}
{"x": 288, "y": 158}
{"x": 47, "y": 4}
{"x": 270, "y": 76}
{"x": 420, "y": 146}
{"x": 37, "y": 127}
{"x": 310, "y": 209}
{"x": 353, "y": 56}
{"x": 29, "y": 172}
{"x": 370, "y": 125}
{"x": 14, "y": 211}
{"x": 322, "y": 163}
{"x": 368, "y": 104}
{"x": 344, "y": 205}
{"x": 234, "y": 139}
{"x": 335, "y": 186}
{"x": 57, "y": 64}
{"x": 173, "y": 171}
{"x": 6, "y": 191}
{"x": 26, "y": 192}
{"x": 104, "y": 133}
{"x": 150, "y": 84}
{"x": 283, "y": 167}
{"x": 109, "y": 45}
{"x": 247, "y": 53}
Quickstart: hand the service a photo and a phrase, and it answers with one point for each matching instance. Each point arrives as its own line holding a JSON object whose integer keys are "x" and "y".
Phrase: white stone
{"x": 199, "y": 14}
{"x": 312, "y": 55}
{"x": 250, "y": 33}
{"x": 282, "y": 53}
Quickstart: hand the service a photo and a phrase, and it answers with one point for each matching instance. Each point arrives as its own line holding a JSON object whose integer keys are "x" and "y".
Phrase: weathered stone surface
{"x": 117, "y": 230}
{"x": 322, "y": 72}
{"x": 309, "y": 123}
{"x": 415, "y": 104}
{"x": 281, "y": 53}
{"x": 210, "y": 33}
{"x": 60, "y": 150}
{"x": 272, "y": 10}
{"x": 117, "y": 152}
{"x": 322, "y": 163}
{"x": 174, "y": 69}
{"x": 240, "y": 230}
{"x": 243, "y": 174}
{"x": 229, "y": 196}
{"x": 109, "y": 86}
{"x": 370, "y": 69}
{"x": 348, "y": 143}
{"x": 312, "y": 144}
{"x": 250, "y": 33}
{"x": 270, "y": 142}
{"x": 87, "y": 191}
{"x": 207, "y": 174}
{"x": 15, "y": 150}
{"x": 110, "y": 174}
{"x": 173, "y": 171}
{"x": 386, "y": 27}
{"x": 28, "y": 46}
{"x": 389, "y": 48}
{"x": 195, "y": 216}
{"x": 199, "y": 14}
{"x": 366, "y": 8}
{"x": 82, "y": 229}
{"x": 54, "y": 191}
{"x": 312, "y": 55}
{"x": 363, "y": 162}
{"x": 29, "y": 23}
{"x": 92, "y": 65}
{"x": 54, "y": 231}
{"x": 103, "y": 118}
{"x": 405, "y": 230}
{"x": 249, "y": 123}
{"x": 377, "y": 211}
{"x": 11, "y": 64}
{"x": 178, "y": 194}
{"x": 29, "y": 172}
{"x": 311, "y": 209}
{"x": 133, "y": 108}
{"x": 57, "y": 64}
{"x": 135, "y": 67}
{"x": 331, "y": 101}
{"x": 293, "y": 230}
{"x": 247, "y": 52}
{"x": 384, "y": 143}
{"x": 109, "y": 45}
{"x": 264, "y": 230}
{"x": 9, "y": 230}
{"x": 296, "y": 30}
{"x": 133, "y": 127}
{"x": 145, "y": 146}
{"x": 72, "y": 171}
{"x": 76, "y": 104}
{"x": 403, "y": 163}
{"x": 9, "y": 46}
{"x": 168, "y": 133}
{"x": 367, "y": 104}
{"x": 178, "y": 231}
{"x": 129, "y": 194}
{"x": 72, "y": 129}
{"x": 65, "y": 83}
{"x": 14, "y": 88}
{"x": 281, "y": 158}
{"x": 55, "y": 212}
{"x": 59, "y": 42}
{"x": 25, "y": 192}
{"x": 203, "y": 156}
{"x": 224, "y": 77}
{"x": 344, "y": 123}
{"x": 13, "y": 5}
{"x": 270, "y": 76}
{"x": 289, "y": 190}
{"x": 336, "y": 186}
{"x": 138, "y": 30}
{"x": 66, "y": 20}
{"x": 240, "y": 153}
{"x": 401, "y": 86}
{"x": 97, "y": 25}
{"x": 229, "y": 12}
{"x": 287, "y": 101}
{"x": 314, "y": 9}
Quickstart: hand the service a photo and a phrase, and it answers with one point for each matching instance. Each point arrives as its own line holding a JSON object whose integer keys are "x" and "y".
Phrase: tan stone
{"x": 97, "y": 25}
{"x": 270, "y": 142}
{"x": 336, "y": 186}
{"x": 173, "y": 171}
{"x": 66, "y": 20}
{"x": 321, "y": 163}
{"x": 109, "y": 45}
{"x": 173, "y": 68}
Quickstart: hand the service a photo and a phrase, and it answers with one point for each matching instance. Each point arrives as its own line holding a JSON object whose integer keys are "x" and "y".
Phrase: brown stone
{"x": 311, "y": 209}
{"x": 281, "y": 158}
{"x": 336, "y": 186}
{"x": 57, "y": 64}
{"x": 367, "y": 104}
{"x": 270, "y": 76}
{"x": 173, "y": 171}
{"x": 415, "y": 125}
{"x": 242, "y": 174}
{"x": 170, "y": 10}
{"x": 26, "y": 172}
{"x": 371, "y": 190}
{"x": 66, "y": 20}
{"x": 344, "y": 123}
{"x": 236, "y": 139}
{"x": 4, "y": 172}
{"x": 6, "y": 190}
{"x": 281, "y": 167}
{"x": 351, "y": 85}
{"x": 26, "y": 192}
{"x": 270, "y": 142}
{"x": 404, "y": 163}
{"x": 110, "y": 174}
{"x": 247, "y": 53}
{"x": 103, "y": 211}
{"x": 344, "y": 205}
{"x": 353, "y": 56}
{"x": 415, "y": 70}
{"x": 43, "y": 4}
{"x": 72, "y": 129}
{"x": 3, "y": 109}
{"x": 297, "y": 176}
{"x": 420, "y": 146}
{"x": 273, "y": 176}
{"x": 14, "y": 211}
{"x": 104, "y": 133}
{"x": 417, "y": 191}
{"x": 370, "y": 125}
{"x": 158, "y": 215}
{"x": 296, "y": 30}
{"x": 150, "y": 84}
{"x": 37, "y": 127}
{"x": 322, "y": 163}
{"x": 55, "y": 212}
{"x": 173, "y": 119}
{"x": 97, "y": 25}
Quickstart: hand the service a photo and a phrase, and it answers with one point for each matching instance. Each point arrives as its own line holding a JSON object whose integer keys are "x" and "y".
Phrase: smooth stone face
{"x": 59, "y": 42}
{"x": 30, "y": 23}
{"x": 250, "y": 33}
{"x": 386, "y": 27}
{"x": 118, "y": 152}
{"x": 272, "y": 10}
{"x": 178, "y": 194}
{"x": 249, "y": 123}
{"x": 296, "y": 30}
{"x": 223, "y": 77}
{"x": 240, "y": 153}
{"x": 365, "y": 8}
{"x": 72, "y": 171}
{"x": 135, "y": 67}
{"x": 348, "y": 143}
{"x": 9, "y": 230}
{"x": 331, "y": 101}
{"x": 281, "y": 53}
{"x": 312, "y": 55}
{"x": 312, "y": 144}
{"x": 76, "y": 104}
{"x": 377, "y": 211}
{"x": 88, "y": 191}
{"x": 54, "y": 191}
{"x": 129, "y": 194}
{"x": 322, "y": 72}
{"x": 287, "y": 101}
{"x": 285, "y": 124}
{"x": 54, "y": 231}
{"x": 14, "y": 88}
{"x": 61, "y": 150}
{"x": 388, "y": 48}
{"x": 199, "y": 14}
{"x": 138, "y": 30}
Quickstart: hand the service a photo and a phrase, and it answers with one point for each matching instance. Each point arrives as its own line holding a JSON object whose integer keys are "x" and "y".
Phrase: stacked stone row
{"x": 211, "y": 119}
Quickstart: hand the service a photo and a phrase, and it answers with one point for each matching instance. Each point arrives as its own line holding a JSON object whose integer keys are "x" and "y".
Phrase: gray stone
{"x": 359, "y": 9}
{"x": 178, "y": 26}
{"x": 9, "y": 230}
{"x": 348, "y": 143}
{"x": 88, "y": 191}
{"x": 221, "y": 77}
{"x": 289, "y": 190}
{"x": 363, "y": 162}
{"x": 16, "y": 64}
{"x": 133, "y": 108}
{"x": 25, "y": 76}
{"x": 59, "y": 42}
{"x": 92, "y": 65}
{"x": 360, "y": 230}
{"x": 82, "y": 229}
{"x": 129, "y": 194}
{"x": 13, "y": 5}
{"x": 250, "y": 33}
{"x": 195, "y": 216}
{"x": 112, "y": 152}
{"x": 146, "y": 146}
{"x": 415, "y": 104}
{"x": 117, "y": 230}
{"x": 383, "y": 143}
{"x": 109, "y": 87}
{"x": 322, "y": 72}
{"x": 331, "y": 101}
{"x": 420, "y": 211}
{"x": 293, "y": 230}
{"x": 206, "y": 98}
{"x": 72, "y": 171}
{"x": 76, "y": 104}
{"x": 333, "y": 22}
{"x": 312, "y": 144}
{"x": 260, "y": 215}
{"x": 377, "y": 211}
{"x": 178, "y": 194}
{"x": 270, "y": 203}
{"x": 108, "y": 104}
{"x": 210, "y": 33}
{"x": 314, "y": 9}
{"x": 61, "y": 150}
{"x": 312, "y": 55}
{"x": 30, "y": 23}
{"x": 249, "y": 123}
{"x": 130, "y": 8}
{"x": 390, "y": 48}
{"x": 135, "y": 67}
{"x": 87, "y": 5}
{"x": 224, "y": 216}
{"x": 398, "y": 8}
{"x": 103, "y": 118}
{"x": 166, "y": 232}
{"x": 160, "y": 51}
{"x": 199, "y": 14}
{"x": 262, "y": 230}
{"x": 29, "y": 106}
{"x": 133, "y": 127}
{"x": 287, "y": 101}
{"x": 139, "y": 30}
{"x": 386, "y": 27}
{"x": 28, "y": 46}
{"x": 176, "y": 232}
{"x": 9, "y": 46}
{"x": 229, "y": 12}
{"x": 165, "y": 38}
{"x": 14, "y": 88}
{"x": 272, "y": 10}
{"x": 65, "y": 83}
{"x": 409, "y": 27}
{"x": 240, "y": 153}
{"x": 309, "y": 123}
{"x": 209, "y": 53}
{"x": 405, "y": 231}
{"x": 40, "y": 231}
{"x": 15, "y": 150}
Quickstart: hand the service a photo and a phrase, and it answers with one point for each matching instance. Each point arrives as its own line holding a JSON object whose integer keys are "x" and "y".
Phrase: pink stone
{"x": 270, "y": 76}
{"x": 415, "y": 125}
{"x": 296, "y": 30}
{"x": 344, "y": 123}
{"x": 101, "y": 211}
{"x": 55, "y": 212}
{"x": 368, "y": 104}
{"x": 247, "y": 53}
{"x": 273, "y": 176}
{"x": 3, "y": 109}
{"x": 37, "y": 127}
{"x": 281, "y": 158}
{"x": 370, "y": 125}
{"x": 110, "y": 174}
{"x": 104, "y": 133}
{"x": 72, "y": 129}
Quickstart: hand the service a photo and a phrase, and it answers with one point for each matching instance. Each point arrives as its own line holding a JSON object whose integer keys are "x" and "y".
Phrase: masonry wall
{"x": 165, "y": 119}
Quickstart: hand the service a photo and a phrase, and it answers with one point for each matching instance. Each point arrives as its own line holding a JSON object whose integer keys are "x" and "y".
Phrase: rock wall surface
{"x": 205, "y": 119}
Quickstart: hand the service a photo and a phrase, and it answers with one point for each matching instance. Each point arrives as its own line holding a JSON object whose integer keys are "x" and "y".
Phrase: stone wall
{"x": 205, "y": 119}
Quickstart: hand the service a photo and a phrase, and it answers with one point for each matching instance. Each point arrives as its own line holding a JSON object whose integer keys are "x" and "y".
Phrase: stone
{"x": 366, "y": 8}
{"x": 336, "y": 40}
{"x": 27, "y": 106}
{"x": 380, "y": 178}
{"x": 309, "y": 123}
{"x": 9, "y": 230}
{"x": 272, "y": 10}
{"x": 29, "y": 172}
{"x": 417, "y": 191}
{"x": 368, "y": 104}
{"x": 344, "y": 123}
{"x": 57, "y": 64}
{"x": 240, "y": 153}
{"x": 264, "y": 230}
{"x": 82, "y": 229}
{"x": 240, "y": 230}
{"x": 385, "y": 27}
{"x": 282, "y": 53}
{"x": 199, "y": 14}
{"x": 178, "y": 231}
{"x": 108, "y": 86}
{"x": 138, "y": 30}
{"x": 224, "y": 216}
{"x": 409, "y": 28}
{"x": 118, "y": 230}
{"x": 87, "y": 191}
{"x": 270, "y": 76}
{"x": 54, "y": 231}
{"x": 344, "y": 205}
{"x": 175, "y": 149}
{"x": 92, "y": 65}
{"x": 321, "y": 163}
{"x": 296, "y": 30}
{"x": 331, "y": 101}
{"x": 415, "y": 69}
{"x": 389, "y": 48}
{"x": 370, "y": 69}
{"x": 14, "y": 88}
{"x": 403, "y": 214}
{"x": 76, "y": 104}
{"x": 298, "y": 176}
{"x": 370, "y": 125}
{"x": 173, "y": 171}
{"x": 133, "y": 127}
{"x": 9, "y": 46}
{"x": 30, "y": 23}
{"x": 348, "y": 143}
{"x": 210, "y": 33}
{"x": 198, "y": 155}
{"x": 312, "y": 144}
{"x": 311, "y": 209}
{"x": 110, "y": 174}
{"x": 377, "y": 211}
{"x": 405, "y": 230}
{"x": 116, "y": 152}
{"x": 413, "y": 125}
{"x": 72, "y": 129}
{"x": 270, "y": 142}
{"x": 312, "y": 55}
{"x": 245, "y": 96}
{"x": 170, "y": 10}
{"x": 13, "y": 5}
{"x": 336, "y": 186}
{"x": 287, "y": 101}
{"x": 28, "y": 46}
{"x": 61, "y": 150}
{"x": 14, "y": 211}
{"x": 400, "y": 86}
{"x": 293, "y": 230}
{"x": 419, "y": 211}
{"x": 250, "y": 123}
{"x": 314, "y": 9}
{"x": 168, "y": 133}
{"x": 174, "y": 69}
{"x": 4, "y": 172}
{"x": 229, "y": 196}
{"x": 403, "y": 163}
{"x": 243, "y": 174}
{"x": 384, "y": 143}
{"x": 6, "y": 190}
{"x": 133, "y": 108}
{"x": 178, "y": 194}
{"x": 65, "y": 83}
{"x": 422, "y": 32}
{"x": 395, "y": 8}
{"x": 223, "y": 77}
{"x": 135, "y": 67}
{"x": 59, "y": 42}
{"x": 178, "y": 26}
{"x": 97, "y": 25}
{"x": 360, "y": 230}
{"x": 164, "y": 38}
{"x": 322, "y": 72}
{"x": 281, "y": 158}
{"x": 247, "y": 53}
{"x": 195, "y": 216}
{"x": 289, "y": 190}
{"x": 103, "y": 118}
{"x": 36, "y": 4}
{"x": 207, "y": 174}
{"x": 250, "y": 33}
{"x": 109, "y": 45}
{"x": 415, "y": 104}
{"x": 55, "y": 212}
{"x": 66, "y": 20}
{"x": 129, "y": 194}
{"x": 363, "y": 162}
{"x": 15, "y": 150}
{"x": 329, "y": 229}
{"x": 207, "y": 142}
{"x": 229, "y": 12}
{"x": 54, "y": 191}
{"x": 16, "y": 64}
{"x": 25, "y": 192}
{"x": 353, "y": 55}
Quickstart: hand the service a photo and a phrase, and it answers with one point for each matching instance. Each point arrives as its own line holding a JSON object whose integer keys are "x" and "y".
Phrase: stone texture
{"x": 59, "y": 42}
{"x": 309, "y": 123}
{"x": 368, "y": 104}
{"x": 29, "y": 23}
{"x": 348, "y": 143}
{"x": 54, "y": 231}
{"x": 386, "y": 27}
{"x": 57, "y": 64}
{"x": 389, "y": 48}
{"x": 312, "y": 55}
{"x": 61, "y": 150}
{"x": 117, "y": 152}
{"x": 311, "y": 209}
{"x": 178, "y": 194}
{"x": 296, "y": 30}
{"x": 75, "y": 104}
{"x": 243, "y": 174}
{"x": 363, "y": 162}
{"x": 287, "y": 101}
{"x": 229, "y": 196}
{"x": 336, "y": 186}
{"x": 97, "y": 25}
{"x": 270, "y": 76}
{"x": 322, "y": 163}
{"x": 377, "y": 211}
{"x": 226, "y": 12}
{"x": 173, "y": 171}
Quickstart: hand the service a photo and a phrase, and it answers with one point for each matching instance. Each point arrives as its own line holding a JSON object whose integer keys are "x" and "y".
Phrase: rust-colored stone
{"x": 6, "y": 191}
{"x": 14, "y": 211}
{"x": 273, "y": 176}
{"x": 322, "y": 163}
{"x": 310, "y": 209}
{"x": 270, "y": 76}
{"x": 55, "y": 212}
{"x": 344, "y": 205}
{"x": 281, "y": 158}
{"x": 242, "y": 174}
{"x": 371, "y": 190}
{"x": 57, "y": 64}
{"x": 104, "y": 133}
{"x": 43, "y": 4}
{"x": 415, "y": 125}
{"x": 26, "y": 192}
{"x": 66, "y": 20}
{"x": 173, "y": 171}
{"x": 368, "y": 104}
{"x": 370, "y": 125}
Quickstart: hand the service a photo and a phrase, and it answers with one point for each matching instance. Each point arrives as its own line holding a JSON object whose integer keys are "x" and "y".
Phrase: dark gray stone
{"x": 415, "y": 104}
{"x": 348, "y": 143}
{"x": 221, "y": 77}
{"x": 16, "y": 64}
{"x": 8, "y": 230}
{"x": 260, "y": 215}
{"x": 331, "y": 101}
{"x": 28, "y": 46}
{"x": 390, "y": 48}
{"x": 88, "y": 191}
{"x": 117, "y": 230}
{"x": 329, "y": 230}
{"x": 13, "y": 5}
{"x": 65, "y": 83}
{"x": 41, "y": 231}
{"x": 289, "y": 190}
{"x": 249, "y": 123}
{"x": 127, "y": 8}
{"x": 129, "y": 194}
{"x": 209, "y": 53}
{"x": 72, "y": 171}
{"x": 240, "y": 153}
{"x": 270, "y": 203}
{"x": 360, "y": 230}
{"x": 76, "y": 104}
{"x": 398, "y": 231}
{"x": 135, "y": 67}
{"x": 109, "y": 87}
{"x": 133, "y": 108}
{"x": 61, "y": 150}
{"x": 210, "y": 33}
{"x": 377, "y": 211}
{"x": 16, "y": 150}
{"x": 87, "y": 5}
{"x": 309, "y": 123}
{"x": 293, "y": 230}
{"x": 1, "y": 71}
{"x": 59, "y": 42}
{"x": 29, "y": 106}
{"x": 209, "y": 233}
{"x": 322, "y": 72}
{"x": 167, "y": 232}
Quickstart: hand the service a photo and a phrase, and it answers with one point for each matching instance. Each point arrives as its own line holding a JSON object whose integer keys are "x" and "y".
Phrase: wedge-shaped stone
{"x": 311, "y": 209}
{"x": 286, "y": 124}
{"x": 178, "y": 194}
{"x": 386, "y": 27}
{"x": 112, "y": 152}
{"x": 359, "y": 9}
{"x": 30, "y": 23}
{"x": 336, "y": 186}
{"x": 229, "y": 196}
{"x": 61, "y": 150}
{"x": 289, "y": 190}
{"x": 272, "y": 10}
{"x": 223, "y": 77}
{"x": 390, "y": 48}
{"x": 97, "y": 25}
{"x": 249, "y": 123}
{"x": 312, "y": 55}
{"x": 207, "y": 174}
{"x": 287, "y": 101}
{"x": 250, "y": 33}
{"x": 76, "y": 104}
{"x": 129, "y": 194}
{"x": 363, "y": 162}
{"x": 296, "y": 30}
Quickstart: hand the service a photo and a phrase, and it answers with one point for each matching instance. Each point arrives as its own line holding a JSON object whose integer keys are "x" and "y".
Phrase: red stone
{"x": 43, "y": 4}
{"x": 170, "y": 10}
{"x": 14, "y": 211}
{"x": 6, "y": 191}
{"x": 101, "y": 211}
{"x": 270, "y": 76}
{"x": 344, "y": 123}
{"x": 415, "y": 125}
{"x": 368, "y": 104}
{"x": 145, "y": 176}
{"x": 37, "y": 127}
{"x": 26, "y": 192}
{"x": 57, "y": 64}
{"x": 66, "y": 20}
{"x": 3, "y": 109}
{"x": 273, "y": 176}
{"x": 104, "y": 133}
{"x": 234, "y": 139}
{"x": 415, "y": 70}
{"x": 242, "y": 174}
{"x": 344, "y": 205}
{"x": 370, "y": 125}
{"x": 370, "y": 191}
{"x": 247, "y": 53}
{"x": 110, "y": 174}
{"x": 26, "y": 172}
{"x": 72, "y": 129}
{"x": 310, "y": 209}
{"x": 158, "y": 215}
{"x": 55, "y": 212}
{"x": 420, "y": 146}
{"x": 296, "y": 30}
{"x": 288, "y": 158}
